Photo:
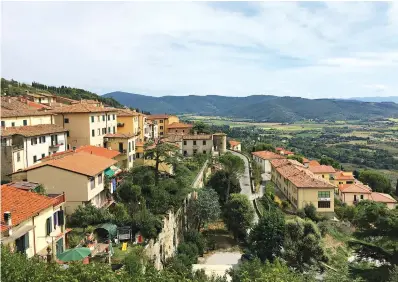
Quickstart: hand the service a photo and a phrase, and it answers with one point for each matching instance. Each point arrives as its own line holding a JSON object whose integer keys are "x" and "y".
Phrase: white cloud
{"x": 197, "y": 48}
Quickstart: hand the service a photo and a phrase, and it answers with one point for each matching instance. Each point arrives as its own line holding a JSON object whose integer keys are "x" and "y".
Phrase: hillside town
{"x": 61, "y": 157}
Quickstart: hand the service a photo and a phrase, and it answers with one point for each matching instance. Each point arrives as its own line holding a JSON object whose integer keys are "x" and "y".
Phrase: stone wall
{"x": 174, "y": 224}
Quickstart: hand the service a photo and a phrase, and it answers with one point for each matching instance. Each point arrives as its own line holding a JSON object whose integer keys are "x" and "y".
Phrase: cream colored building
{"x": 17, "y": 111}
{"x": 179, "y": 128}
{"x": 163, "y": 122}
{"x": 125, "y": 145}
{"x": 192, "y": 144}
{"x": 24, "y": 146}
{"x": 301, "y": 187}
{"x": 79, "y": 175}
{"x": 87, "y": 124}
{"x": 264, "y": 158}
{"x": 31, "y": 222}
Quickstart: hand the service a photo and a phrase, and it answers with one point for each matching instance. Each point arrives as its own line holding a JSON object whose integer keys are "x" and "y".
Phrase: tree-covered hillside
{"x": 15, "y": 88}
{"x": 261, "y": 107}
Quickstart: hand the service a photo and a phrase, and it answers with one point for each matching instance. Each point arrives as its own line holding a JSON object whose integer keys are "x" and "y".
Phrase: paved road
{"x": 245, "y": 183}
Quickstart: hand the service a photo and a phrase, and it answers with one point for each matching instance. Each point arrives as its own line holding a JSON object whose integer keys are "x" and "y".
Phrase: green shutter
{"x": 49, "y": 226}
{"x": 61, "y": 219}
{"x": 26, "y": 241}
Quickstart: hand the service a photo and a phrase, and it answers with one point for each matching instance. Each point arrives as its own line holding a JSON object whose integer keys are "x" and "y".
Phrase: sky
{"x": 306, "y": 49}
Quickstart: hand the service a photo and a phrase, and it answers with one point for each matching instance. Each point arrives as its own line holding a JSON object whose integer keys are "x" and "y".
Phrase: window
{"x": 99, "y": 178}
{"x": 55, "y": 217}
{"x": 49, "y": 226}
{"x": 3, "y": 123}
{"x": 13, "y": 124}
{"x": 129, "y": 159}
{"x": 161, "y": 127}
{"x": 161, "y": 133}
{"x": 66, "y": 120}
{"x": 323, "y": 204}
{"x": 161, "y": 121}
{"x": 323, "y": 194}
{"x": 361, "y": 197}
{"x": 99, "y": 131}
{"x": 194, "y": 142}
{"x": 104, "y": 130}
{"x": 92, "y": 133}
{"x": 43, "y": 155}
{"x": 103, "y": 117}
{"x": 18, "y": 157}
{"x": 129, "y": 147}
{"x": 67, "y": 133}
{"x": 98, "y": 118}
{"x": 25, "y": 122}
{"x": 176, "y": 130}
{"x": 61, "y": 218}
{"x": 34, "y": 159}
{"x": 195, "y": 151}
{"x": 204, "y": 142}
{"x": 323, "y": 176}
{"x": 109, "y": 129}
{"x": 92, "y": 182}
{"x": 92, "y": 118}
{"x": 204, "y": 152}
{"x": 109, "y": 117}
{"x": 114, "y": 130}
{"x": 185, "y": 153}
{"x": 185, "y": 142}
{"x": 43, "y": 139}
{"x": 183, "y": 130}
{"x": 113, "y": 116}
{"x": 22, "y": 243}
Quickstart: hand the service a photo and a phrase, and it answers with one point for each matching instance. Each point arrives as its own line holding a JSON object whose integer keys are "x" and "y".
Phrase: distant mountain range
{"x": 377, "y": 99}
{"x": 260, "y": 107}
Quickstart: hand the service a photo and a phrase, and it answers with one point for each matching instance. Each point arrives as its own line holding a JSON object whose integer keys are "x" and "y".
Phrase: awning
{"x": 17, "y": 233}
{"x": 109, "y": 172}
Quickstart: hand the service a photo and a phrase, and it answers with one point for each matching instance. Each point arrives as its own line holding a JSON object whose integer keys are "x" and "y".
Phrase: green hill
{"x": 15, "y": 88}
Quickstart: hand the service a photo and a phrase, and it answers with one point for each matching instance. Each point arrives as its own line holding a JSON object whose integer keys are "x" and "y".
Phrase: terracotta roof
{"x": 179, "y": 125}
{"x": 197, "y": 137}
{"x": 82, "y": 108}
{"x": 343, "y": 175}
{"x": 322, "y": 169}
{"x": 279, "y": 149}
{"x": 58, "y": 155}
{"x": 126, "y": 113}
{"x": 313, "y": 163}
{"x": 286, "y": 152}
{"x": 305, "y": 160}
{"x": 267, "y": 155}
{"x": 298, "y": 175}
{"x": 79, "y": 162}
{"x": 382, "y": 198}
{"x": 159, "y": 116}
{"x": 119, "y": 135}
{"x": 20, "y": 107}
{"x": 98, "y": 151}
{"x": 86, "y": 101}
{"x": 355, "y": 188}
{"x": 22, "y": 204}
{"x": 233, "y": 143}
{"x": 32, "y": 130}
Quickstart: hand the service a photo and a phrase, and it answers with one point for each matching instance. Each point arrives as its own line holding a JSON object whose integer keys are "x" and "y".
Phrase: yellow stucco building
{"x": 163, "y": 122}
{"x": 301, "y": 186}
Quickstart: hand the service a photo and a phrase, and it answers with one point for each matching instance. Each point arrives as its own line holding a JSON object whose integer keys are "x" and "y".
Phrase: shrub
{"x": 301, "y": 213}
{"x": 285, "y": 204}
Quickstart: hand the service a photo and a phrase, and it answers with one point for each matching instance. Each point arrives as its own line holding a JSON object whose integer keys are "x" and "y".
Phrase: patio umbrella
{"x": 74, "y": 254}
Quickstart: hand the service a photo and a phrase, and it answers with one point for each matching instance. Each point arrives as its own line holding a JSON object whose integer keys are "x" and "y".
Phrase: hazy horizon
{"x": 302, "y": 49}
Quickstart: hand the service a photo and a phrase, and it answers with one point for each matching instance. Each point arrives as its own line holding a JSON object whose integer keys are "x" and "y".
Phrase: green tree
{"x": 238, "y": 215}
{"x": 266, "y": 272}
{"x": 161, "y": 152}
{"x": 234, "y": 166}
{"x": 129, "y": 193}
{"x": 204, "y": 209}
{"x": 377, "y": 181}
{"x": 303, "y": 244}
{"x": 267, "y": 237}
{"x": 200, "y": 127}
{"x": 220, "y": 180}
{"x": 263, "y": 147}
{"x": 87, "y": 215}
{"x": 329, "y": 161}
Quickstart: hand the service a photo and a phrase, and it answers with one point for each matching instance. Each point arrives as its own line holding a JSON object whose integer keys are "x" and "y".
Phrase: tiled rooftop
{"x": 321, "y": 169}
{"x": 267, "y": 155}
{"x": 175, "y": 125}
{"x": 32, "y": 130}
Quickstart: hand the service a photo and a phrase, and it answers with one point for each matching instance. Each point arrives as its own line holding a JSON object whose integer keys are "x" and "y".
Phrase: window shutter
{"x": 26, "y": 241}
{"x": 55, "y": 219}
{"x": 49, "y": 226}
{"x": 61, "y": 218}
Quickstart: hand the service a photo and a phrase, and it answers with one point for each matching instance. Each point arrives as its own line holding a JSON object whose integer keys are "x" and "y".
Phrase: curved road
{"x": 245, "y": 183}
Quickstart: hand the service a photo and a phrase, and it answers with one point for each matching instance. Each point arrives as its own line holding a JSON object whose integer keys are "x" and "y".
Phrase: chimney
{"x": 8, "y": 222}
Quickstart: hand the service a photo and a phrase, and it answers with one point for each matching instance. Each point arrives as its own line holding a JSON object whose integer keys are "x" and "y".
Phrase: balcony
{"x": 55, "y": 144}
{"x": 58, "y": 198}
{"x": 120, "y": 124}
